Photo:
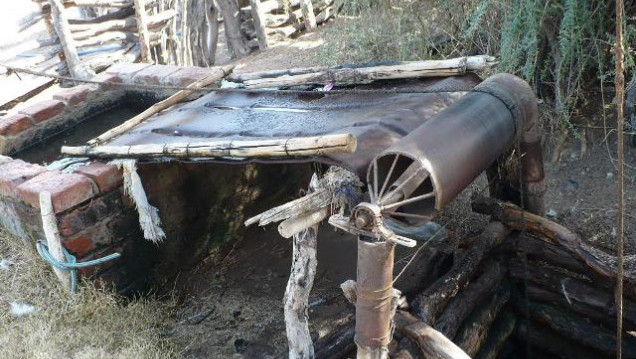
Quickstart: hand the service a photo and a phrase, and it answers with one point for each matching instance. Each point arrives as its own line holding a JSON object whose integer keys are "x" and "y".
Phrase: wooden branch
{"x": 431, "y": 343}
{"x": 297, "y": 224}
{"x": 62, "y": 28}
{"x": 429, "y": 304}
{"x": 296, "y": 299}
{"x": 142, "y": 29}
{"x": 308, "y": 15}
{"x": 119, "y": 14}
{"x": 212, "y": 32}
{"x": 220, "y": 72}
{"x": 475, "y": 294}
{"x": 278, "y": 148}
{"x": 501, "y": 330}
{"x": 347, "y": 76}
{"x": 474, "y": 331}
{"x": 53, "y": 238}
{"x": 339, "y": 342}
{"x": 242, "y": 77}
{"x": 259, "y": 24}
{"x": 311, "y": 202}
{"x": 83, "y": 31}
{"x": 513, "y": 216}
{"x": 236, "y": 42}
{"x": 580, "y": 330}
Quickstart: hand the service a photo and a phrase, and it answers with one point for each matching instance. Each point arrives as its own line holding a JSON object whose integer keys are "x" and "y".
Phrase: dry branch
{"x": 414, "y": 69}
{"x": 499, "y": 333}
{"x": 431, "y": 343}
{"x": 142, "y": 29}
{"x": 430, "y": 304}
{"x": 62, "y": 28}
{"x": 513, "y": 216}
{"x": 84, "y": 31}
{"x": 220, "y": 73}
{"x": 259, "y": 23}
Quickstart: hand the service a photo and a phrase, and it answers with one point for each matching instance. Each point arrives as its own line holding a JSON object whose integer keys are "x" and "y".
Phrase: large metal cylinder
{"x": 446, "y": 153}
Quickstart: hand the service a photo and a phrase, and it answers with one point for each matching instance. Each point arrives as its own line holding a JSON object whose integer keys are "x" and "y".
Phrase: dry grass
{"x": 92, "y": 323}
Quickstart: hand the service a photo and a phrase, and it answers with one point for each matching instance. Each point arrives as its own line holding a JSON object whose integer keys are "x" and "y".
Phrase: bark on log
{"x": 361, "y": 75}
{"x": 338, "y": 343}
{"x": 430, "y": 304}
{"x": 259, "y": 23}
{"x": 553, "y": 343}
{"x": 474, "y": 331}
{"x": 301, "y": 280}
{"x": 470, "y": 298}
{"x": 62, "y": 28}
{"x": 432, "y": 343}
{"x": 578, "y": 291}
{"x": 499, "y": 333}
{"x": 580, "y": 330}
{"x": 513, "y": 216}
{"x": 308, "y": 15}
{"x": 142, "y": 29}
{"x": 236, "y": 43}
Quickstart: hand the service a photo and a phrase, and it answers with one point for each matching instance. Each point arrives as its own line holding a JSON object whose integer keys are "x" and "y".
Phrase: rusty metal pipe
{"x": 374, "y": 304}
{"x": 460, "y": 142}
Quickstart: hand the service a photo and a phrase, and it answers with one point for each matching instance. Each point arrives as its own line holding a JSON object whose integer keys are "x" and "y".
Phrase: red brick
{"x": 107, "y": 177}
{"x": 153, "y": 75}
{"x": 125, "y": 70}
{"x": 44, "y": 110}
{"x": 67, "y": 190}
{"x": 75, "y": 95}
{"x": 15, "y": 172}
{"x": 14, "y": 124}
{"x": 106, "y": 77}
{"x": 79, "y": 245}
{"x": 188, "y": 75}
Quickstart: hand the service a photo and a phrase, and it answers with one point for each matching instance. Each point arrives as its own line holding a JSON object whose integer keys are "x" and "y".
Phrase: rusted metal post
{"x": 375, "y": 299}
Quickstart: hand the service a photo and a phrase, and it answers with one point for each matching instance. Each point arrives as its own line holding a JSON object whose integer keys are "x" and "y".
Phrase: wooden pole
{"x": 259, "y": 24}
{"x": 212, "y": 31}
{"x": 63, "y": 30}
{"x": 236, "y": 43}
{"x": 142, "y": 29}
{"x": 221, "y": 72}
{"x": 53, "y": 239}
{"x": 308, "y": 14}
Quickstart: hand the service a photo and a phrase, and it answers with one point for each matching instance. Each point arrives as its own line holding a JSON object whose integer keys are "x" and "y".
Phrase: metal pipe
{"x": 375, "y": 298}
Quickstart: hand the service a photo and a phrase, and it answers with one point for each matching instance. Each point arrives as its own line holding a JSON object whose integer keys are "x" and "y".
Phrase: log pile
{"x": 507, "y": 291}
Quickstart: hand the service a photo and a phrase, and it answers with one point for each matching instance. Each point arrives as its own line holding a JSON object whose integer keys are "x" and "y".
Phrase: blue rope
{"x": 71, "y": 265}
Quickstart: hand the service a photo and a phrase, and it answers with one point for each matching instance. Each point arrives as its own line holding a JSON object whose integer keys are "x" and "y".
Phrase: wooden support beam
{"x": 62, "y": 28}
{"x": 142, "y": 29}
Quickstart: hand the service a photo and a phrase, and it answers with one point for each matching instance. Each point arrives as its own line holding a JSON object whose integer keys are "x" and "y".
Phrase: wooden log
{"x": 287, "y": 31}
{"x": 584, "y": 332}
{"x": 499, "y": 333}
{"x": 112, "y": 37}
{"x": 361, "y": 75}
{"x": 155, "y": 22}
{"x": 577, "y": 290}
{"x": 556, "y": 345}
{"x": 278, "y": 148}
{"x": 101, "y": 3}
{"x": 220, "y": 73}
{"x": 309, "y": 18}
{"x": 429, "y": 304}
{"x": 296, "y": 299}
{"x": 236, "y": 42}
{"x": 431, "y": 343}
{"x": 513, "y": 216}
{"x": 259, "y": 24}
{"x": 211, "y": 37}
{"x": 101, "y": 61}
{"x": 292, "y": 226}
{"x": 338, "y": 343}
{"x": 311, "y": 202}
{"x": 242, "y": 77}
{"x": 475, "y": 294}
{"x": 62, "y": 28}
{"x": 142, "y": 29}
{"x": 53, "y": 238}
{"x": 115, "y": 15}
{"x": 474, "y": 331}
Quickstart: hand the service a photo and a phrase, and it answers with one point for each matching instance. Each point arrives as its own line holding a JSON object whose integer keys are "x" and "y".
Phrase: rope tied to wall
{"x": 148, "y": 214}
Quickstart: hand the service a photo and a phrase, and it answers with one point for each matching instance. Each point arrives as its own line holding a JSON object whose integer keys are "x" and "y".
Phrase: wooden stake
{"x": 259, "y": 24}
{"x": 220, "y": 73}
{"x": 53, "y": 239}
{"x": 63, "y": 30}
{"x": 142, "y": 29}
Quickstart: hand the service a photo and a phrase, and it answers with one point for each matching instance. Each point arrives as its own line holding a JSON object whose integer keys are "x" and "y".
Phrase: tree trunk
{"x": 235, "y": 41}
{"x": 63, "y": 30}
{"x": 259, "y": 23}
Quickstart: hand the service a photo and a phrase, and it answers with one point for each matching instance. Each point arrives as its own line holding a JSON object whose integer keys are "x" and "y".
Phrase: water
{"x": 48, "y": 150}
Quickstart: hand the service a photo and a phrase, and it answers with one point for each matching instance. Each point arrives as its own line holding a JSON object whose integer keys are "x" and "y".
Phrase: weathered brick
{"x": 67, "y": 190}
{"x": 187, "y": 75}
{"x": 79, "y": 245}
{"x": 14, "y": 124}
{"x": 126, "y": 71}
{"x": 107, "y": 177}
{"x": 44, "y": 110}
{"x": 89, "y": 214}
{"x": 15, "y": 172}
{"x": 75, "y": 95}
{"x": 153, "y": 75}
{"x": 106, "y": 77}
